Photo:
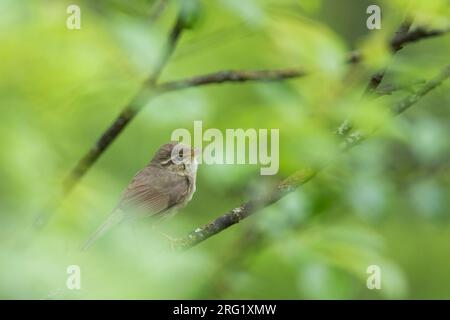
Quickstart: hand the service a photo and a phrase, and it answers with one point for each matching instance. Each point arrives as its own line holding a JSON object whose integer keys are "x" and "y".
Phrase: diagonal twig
{"x": 402, "y": 36}
{"x": 415, "y": 35}
{"x": 396, "y": 44}
{"x": 375, "y": 79}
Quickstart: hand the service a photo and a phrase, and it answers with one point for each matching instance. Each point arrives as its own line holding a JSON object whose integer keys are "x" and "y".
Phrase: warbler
{"x": 158, "y": 191}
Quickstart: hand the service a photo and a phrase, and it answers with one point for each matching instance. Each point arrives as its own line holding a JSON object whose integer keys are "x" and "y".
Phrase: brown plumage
{"x": 159, "y": 190}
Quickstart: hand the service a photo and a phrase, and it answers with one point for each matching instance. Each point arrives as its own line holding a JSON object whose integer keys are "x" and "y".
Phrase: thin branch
{"x": 295, "y": 180}
{"x": 375, "y": 79}
{"x": 396, "y": 45}
{"x": 389, "y": 89}
{"x": 231, "y": 76}
{"x": 378, "y": 76}
{"x": 413, "y": 98}
{"x": 415, "y": 35}
{"x": 246, "y": 209}
{"x": 401, "y": 38}
{"x": 404, "y": 104}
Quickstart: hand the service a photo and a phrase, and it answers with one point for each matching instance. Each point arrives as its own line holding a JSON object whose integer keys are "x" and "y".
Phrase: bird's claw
{"x": 174, "y": 243}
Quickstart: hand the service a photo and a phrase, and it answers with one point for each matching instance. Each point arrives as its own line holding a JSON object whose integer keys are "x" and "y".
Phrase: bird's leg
{"x": 173, "y": 241}
{"x": 165, "y": 235}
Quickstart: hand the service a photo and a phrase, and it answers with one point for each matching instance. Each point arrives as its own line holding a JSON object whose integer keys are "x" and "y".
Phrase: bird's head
{"x": 177, "y": 157}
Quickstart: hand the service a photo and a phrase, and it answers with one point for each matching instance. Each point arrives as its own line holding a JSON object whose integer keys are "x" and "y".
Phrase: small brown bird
{"x": 159, "y": 190}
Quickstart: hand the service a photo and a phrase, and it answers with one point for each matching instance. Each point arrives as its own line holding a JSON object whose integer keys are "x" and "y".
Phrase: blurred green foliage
{"x": 384, "y": 203}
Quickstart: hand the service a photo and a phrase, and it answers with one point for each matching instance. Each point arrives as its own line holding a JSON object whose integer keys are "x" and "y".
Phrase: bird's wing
{"x": 153, "y": 191}
{"x": 142, "y": 196}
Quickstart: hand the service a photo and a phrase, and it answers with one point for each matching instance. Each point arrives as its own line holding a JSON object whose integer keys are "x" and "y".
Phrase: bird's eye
{"x": 180, "y": 155}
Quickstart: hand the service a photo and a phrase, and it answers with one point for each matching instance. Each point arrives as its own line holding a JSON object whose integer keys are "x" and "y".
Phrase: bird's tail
{"x": 115, "y": 218}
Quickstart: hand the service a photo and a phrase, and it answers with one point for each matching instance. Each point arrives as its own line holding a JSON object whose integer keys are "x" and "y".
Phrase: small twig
{"x": 396, "y": 45}
{"x": 413, "y": 98}
{"x": 401, "y": 38}
{"x": 415, "y": 35}
{"x": 375, "y": 80}
{"x": 231, "y": 76}
{"x": 295, "y": 180}
{"x": 389, "y": 89}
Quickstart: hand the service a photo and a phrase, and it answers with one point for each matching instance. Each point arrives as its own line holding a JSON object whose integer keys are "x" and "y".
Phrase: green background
{"x": 385, "y": 203}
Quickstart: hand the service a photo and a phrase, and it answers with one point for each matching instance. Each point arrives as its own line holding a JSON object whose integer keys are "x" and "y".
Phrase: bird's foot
{"x": 175, "y": 243}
